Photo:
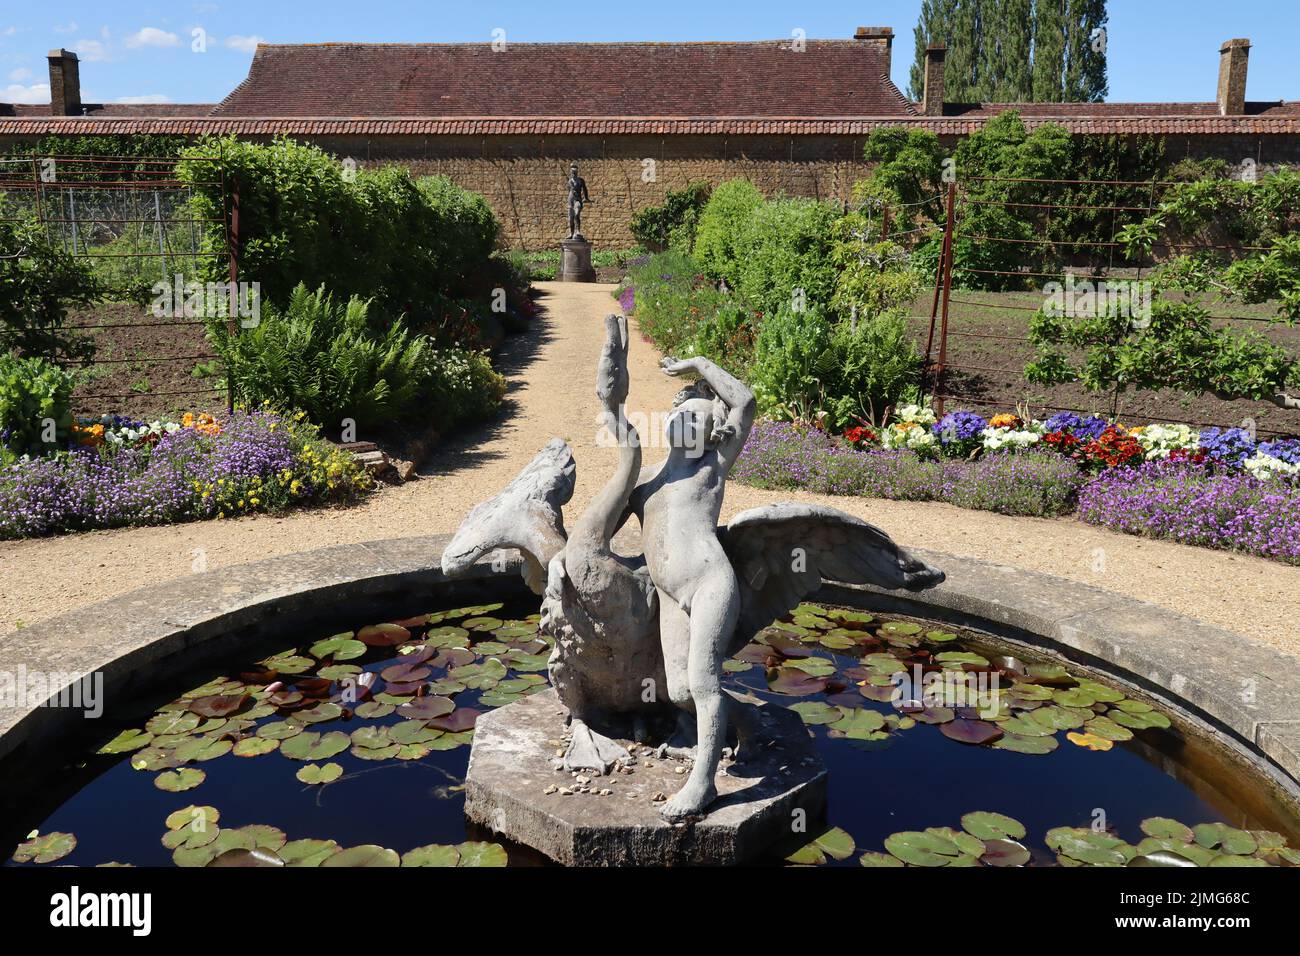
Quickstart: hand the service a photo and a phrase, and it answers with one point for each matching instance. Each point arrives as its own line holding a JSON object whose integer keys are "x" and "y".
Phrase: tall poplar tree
{"x": 1015, "y": 50}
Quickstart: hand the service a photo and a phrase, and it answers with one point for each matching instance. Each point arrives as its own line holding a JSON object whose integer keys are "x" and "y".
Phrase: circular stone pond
{"x": 337, "y": 733}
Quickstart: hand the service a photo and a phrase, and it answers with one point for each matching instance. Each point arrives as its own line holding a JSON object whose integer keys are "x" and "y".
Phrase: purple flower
{"x": 1084, "y": 428}
{"x": 1227, "y": 446}
{"x": 959, "y": 427}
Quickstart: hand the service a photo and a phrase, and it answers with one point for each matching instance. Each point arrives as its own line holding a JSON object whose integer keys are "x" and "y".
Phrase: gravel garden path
{"x": 551, "y": 374}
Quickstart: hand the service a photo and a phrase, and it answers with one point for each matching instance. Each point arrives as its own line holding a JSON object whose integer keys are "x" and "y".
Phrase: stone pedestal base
{"x": 512, "y": 765}
{"x": 575, "y": 261}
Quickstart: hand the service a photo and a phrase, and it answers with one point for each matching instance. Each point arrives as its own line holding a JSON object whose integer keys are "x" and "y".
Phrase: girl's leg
{"x": 714, "y": 609}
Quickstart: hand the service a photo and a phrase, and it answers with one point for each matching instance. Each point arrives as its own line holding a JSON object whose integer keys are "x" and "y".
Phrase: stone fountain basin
{"x": 1222, "y": 683}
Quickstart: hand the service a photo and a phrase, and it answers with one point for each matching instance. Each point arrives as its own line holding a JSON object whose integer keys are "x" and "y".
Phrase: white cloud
{"x": 20, "y": 74}
{"x": 244, "y": 44}
{"x": 8, "y": 31}
{"x": 70, "y": 27}
{"x": 145, "y": 98}
{"x": 92, "y": 51}
{"x": 17, "y": 93}
{"x": 152, "y": 36}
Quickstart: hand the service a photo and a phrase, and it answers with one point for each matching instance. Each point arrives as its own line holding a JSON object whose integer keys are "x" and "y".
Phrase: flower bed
{"x": 1215, "y": 488}
{"x": 782, "y": 455}
{"x": 117, "y": 473}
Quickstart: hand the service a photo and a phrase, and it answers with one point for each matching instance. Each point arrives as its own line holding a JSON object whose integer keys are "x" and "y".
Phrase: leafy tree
{"x": 720, "y": 224}
{"x": 1015, "y": 50}
{"x": 674, "y": 222}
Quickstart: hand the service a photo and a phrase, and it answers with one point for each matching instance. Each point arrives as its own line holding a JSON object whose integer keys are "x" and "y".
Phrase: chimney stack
{"x": 1233, "y": 58}
{"x": 932, "y": 97}
{"x": 65, "y": 84}
{"x": 882, "y": 38}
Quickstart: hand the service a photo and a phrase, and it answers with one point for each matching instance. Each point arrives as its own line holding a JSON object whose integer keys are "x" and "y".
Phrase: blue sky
{"x": 1159, "y": 50}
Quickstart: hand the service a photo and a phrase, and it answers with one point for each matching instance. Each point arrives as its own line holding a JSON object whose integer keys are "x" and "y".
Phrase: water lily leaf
{"x": 794, "y": 682}
{"x": 1190, "y": 851}
{"x": 188, "y": 817}
{"x": 451, "y": 741}
{"x": 45, "y": 848}
{"x": 1133, "y": 706}
{"x": 1005, "y": 853}
{"x": 202, "y": 749}
{"x": 219, "y": 705}
{"x": 494, "y": 699}
{"x": 816, "y": 712}
{"x": 434, "y": 854}
{"x": 530, "y": 662}
{"x": 1228, "y": 839}
{"x": 861, "y": 724}
{"x": 1048, "y": 674}
{"x": 461, "y": 719}
{"x": 335, "y": 672}
{"x": 1100, "y": 692}
{"x": 127, "y": 741}
{"x": 1230, "y": 859}
{"x": 961, "y": 657}
{"x": 255, "y": 746}
{"x": 365, "y": 855}
{"x": 1166, "y": 829}
{"x": 974, "y": 732}
{"x": 836, "y": 843}
{"x": 176, "y": 781}
{"x": 879, "y": 859}
{"x": 922, "y": 849}
{"x": 280, "y": 730}
{"x": 482, "y": 623}
{"x": 1087, "y": 846}
{"x": 152, "y": 758}
{"x": 412, "y": 732}
{"x": 263, "y": 836}
{"x": 452, "y": 638}
{"x": 1025, "y": 726}
{"x": 1073, "y": 697}
{"x": 340, "y": 647}
{"x": 813, "y": 666}
{"x": 969, "y": 845}
{"x": 310, "y": 745}
{"x": 425, "y": 708}
{"x": 1139, "y": 721}
{"x": 245, "y": 858}
{"x": 1030, "y": 692}
{"x": 1102, "y": 727}
{"x": 325, "y": 710}
{"x": 319, "y": 774}
{"x": 901, "y": 627}
{"x": 290, "y": 664}
{"x": 1055, "y": 717}
{"x": 383, "y": 635}
{"x": 1090, "y": 741}
{"x": 190, "y": 837}
{"x": 992, "y": 826}
{"x": 308, "y": 852}
{"x": 1160, "y": 858}
{"x": 934, "y": 715}
{"x": 1025, "y": 745}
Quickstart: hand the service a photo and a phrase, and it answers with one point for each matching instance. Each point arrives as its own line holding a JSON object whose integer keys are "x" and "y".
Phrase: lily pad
{"x": 1025, "y": 745}
{"x": 478, "y": 853}
{"x": 383, "y": 635}
{"x": 992, "y": 826}
{"x": 127, "y": 741}
{"x": 922, "y": 849}
{"x": 1089, "y": 741}
{"x": 340, "y": 647}
{"x": 45, "y": 847}
{"x": 1005, "y": 853}
{"x": 816, "y": 712}
{"x": 313, "y": 746}
{"x": 435, "y": 854}
{"x": 319, "y": 774}
{"x": 974, "y": 732}
{"x": 308, "y": 852}
{"x": 178, "y": 781}
{"x": 879, "y": 859}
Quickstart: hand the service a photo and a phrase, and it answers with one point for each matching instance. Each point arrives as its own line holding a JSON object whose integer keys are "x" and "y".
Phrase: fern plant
{"x": 326, "y": 358}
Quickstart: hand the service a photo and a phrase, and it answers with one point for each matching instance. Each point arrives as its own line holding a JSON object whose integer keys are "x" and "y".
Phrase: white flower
{"x": 1266, "y": 466}
{"x": 995, "y": 439}
{"x": 920, "y": 414}
{"x": 1158, "y": 441}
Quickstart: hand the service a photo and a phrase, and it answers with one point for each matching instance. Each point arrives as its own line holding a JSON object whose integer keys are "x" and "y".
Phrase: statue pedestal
{"x": 575, "y": 261}
{"x": 511, "y": 765}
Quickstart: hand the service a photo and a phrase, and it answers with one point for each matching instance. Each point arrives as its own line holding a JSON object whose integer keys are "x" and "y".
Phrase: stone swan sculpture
{"x": 632, "y": 631}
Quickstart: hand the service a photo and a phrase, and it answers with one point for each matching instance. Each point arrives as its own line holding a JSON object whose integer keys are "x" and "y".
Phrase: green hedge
{"x": 380, "y": 234}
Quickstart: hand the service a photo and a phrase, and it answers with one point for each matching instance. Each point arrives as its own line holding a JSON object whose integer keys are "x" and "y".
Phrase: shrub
{"x": 721, "y": 222}
{"x": 33, "y": 392}
{"x": 38, "y": 281}
{"x": 784, "y": 253}
{"x": 324, "y": 356}
{"x": 379, "y": 234}
{"x": 791, "y": 355}
{"x": 873, "y": 364}
{"x": 674, "y": 222}
{"x": 726, "y": 337}
{"x": 671, "y": 299}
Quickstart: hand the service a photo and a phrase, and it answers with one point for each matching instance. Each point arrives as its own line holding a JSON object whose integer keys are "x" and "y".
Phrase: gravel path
{"x": 551, "y": 375}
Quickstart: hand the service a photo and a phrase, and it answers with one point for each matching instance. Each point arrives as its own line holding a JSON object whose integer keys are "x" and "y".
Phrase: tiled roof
{"x": 1263, "y": 125}
{"x": 97, "y": 110}
{"x": 765, "y": 78}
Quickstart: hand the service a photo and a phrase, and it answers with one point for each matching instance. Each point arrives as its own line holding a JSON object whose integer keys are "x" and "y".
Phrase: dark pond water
{"x": 1087, "y": 774}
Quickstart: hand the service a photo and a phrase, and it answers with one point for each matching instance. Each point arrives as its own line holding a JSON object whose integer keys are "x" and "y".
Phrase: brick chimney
{"x": 932, "y": 97}
{"x": 1233, "y": 58}
{"x": 65, "y": 84}
{"x": 882, "y": 37}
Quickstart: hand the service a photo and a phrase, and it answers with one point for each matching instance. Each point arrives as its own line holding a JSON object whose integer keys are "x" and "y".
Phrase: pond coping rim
{"x": 1234, "y": 684}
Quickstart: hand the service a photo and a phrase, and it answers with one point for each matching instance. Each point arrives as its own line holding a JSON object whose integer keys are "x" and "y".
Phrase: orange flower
{"x": 1006, "y": 420}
